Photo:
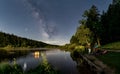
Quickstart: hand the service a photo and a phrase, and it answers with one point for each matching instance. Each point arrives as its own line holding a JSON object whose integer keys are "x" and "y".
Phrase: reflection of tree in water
{"x": 81, "y": 66}
{"x": 44, "y": 62}
{"x": 10, "y": 55}
{"x": 44, "y": 67}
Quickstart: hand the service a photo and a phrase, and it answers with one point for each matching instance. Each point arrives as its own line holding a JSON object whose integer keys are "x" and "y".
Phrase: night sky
{"x": 50, "y": 21}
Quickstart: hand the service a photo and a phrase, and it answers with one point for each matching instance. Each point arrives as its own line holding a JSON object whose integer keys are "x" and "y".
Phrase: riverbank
{"x": 111, "y": 46}
{"x": 112, "y": 59}
{"x": 97, "y": 65}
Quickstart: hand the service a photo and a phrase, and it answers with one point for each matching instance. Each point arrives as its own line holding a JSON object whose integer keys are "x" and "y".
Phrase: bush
{"x": 8, "y": 47}
{"x": 80, "y": 48}
{"x": 72, "y": 46}
{"x": 5, "y": 68}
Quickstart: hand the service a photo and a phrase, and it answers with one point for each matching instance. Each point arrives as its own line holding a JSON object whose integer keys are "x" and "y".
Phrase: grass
{"x": 41, "y": 69}
{"x": 5, "y": 68}
{"x": 112, "y": 59}
{"x": 114, "y": 45}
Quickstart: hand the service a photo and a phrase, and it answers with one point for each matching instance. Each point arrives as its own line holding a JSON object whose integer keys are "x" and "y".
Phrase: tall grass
{"x": 5, "y": 68}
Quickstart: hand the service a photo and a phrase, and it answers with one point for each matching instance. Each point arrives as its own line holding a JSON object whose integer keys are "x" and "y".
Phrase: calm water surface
{"x": 58, "y": 59}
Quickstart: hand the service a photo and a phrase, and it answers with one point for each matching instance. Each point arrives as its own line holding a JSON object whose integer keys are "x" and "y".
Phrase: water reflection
{"x": 24, "y": 66}
{"x": 60, "y": 60}
{"x": 81, "y": 66}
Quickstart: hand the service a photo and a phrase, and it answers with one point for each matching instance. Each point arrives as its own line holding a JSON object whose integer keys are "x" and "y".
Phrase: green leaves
{"x": 83, "y": 35}
{"x": 90, "y": 28}
{"x": 10, "y": 41}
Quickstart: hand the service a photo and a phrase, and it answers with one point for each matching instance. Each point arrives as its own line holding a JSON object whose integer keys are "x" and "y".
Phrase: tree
{"x": 90, "y": 28}
{"x": 15, "y": 41}
{"x": 93, "y": 23}
{"x": 74, "y": 40}
{"x": 111, "y": 24}
{"x": 83, "y": 34}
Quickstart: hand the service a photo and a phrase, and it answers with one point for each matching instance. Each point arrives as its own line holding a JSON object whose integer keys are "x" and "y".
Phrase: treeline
{"x": 110, "y": 21}
{"x": 96, "y": 28}
{"x": 15, "y": 41}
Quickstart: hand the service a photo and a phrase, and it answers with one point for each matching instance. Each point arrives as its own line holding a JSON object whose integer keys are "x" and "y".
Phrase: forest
{"x": 98, "y": 28}
{"x": 16, "y": 41}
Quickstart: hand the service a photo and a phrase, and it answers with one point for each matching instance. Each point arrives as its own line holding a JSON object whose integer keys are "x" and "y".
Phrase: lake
{"x": 59, "y": 59}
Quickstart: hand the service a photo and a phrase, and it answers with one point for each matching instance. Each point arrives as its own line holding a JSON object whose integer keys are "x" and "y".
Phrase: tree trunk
{"x": 98, "y": 41}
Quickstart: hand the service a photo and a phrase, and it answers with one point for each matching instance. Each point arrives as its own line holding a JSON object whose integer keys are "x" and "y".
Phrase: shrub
{"x": 72, "y": 46}
{"x": 8, "y": 47}
{"x": 5, "y": 68}
{"x": 80, "y": 48}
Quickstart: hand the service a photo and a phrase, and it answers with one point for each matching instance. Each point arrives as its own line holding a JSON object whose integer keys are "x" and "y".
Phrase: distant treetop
{"x": 116, "y": 1}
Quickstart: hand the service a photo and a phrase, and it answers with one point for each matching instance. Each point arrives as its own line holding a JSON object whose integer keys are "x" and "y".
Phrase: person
{"x": 95, "y": 47}
{"x": 89, "y": 49}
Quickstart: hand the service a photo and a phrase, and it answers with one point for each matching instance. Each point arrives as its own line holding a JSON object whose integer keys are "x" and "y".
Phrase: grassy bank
{"x": 9, "y": 48}
{"x": 112, "y": 59}
{"x": 114, "y": 45}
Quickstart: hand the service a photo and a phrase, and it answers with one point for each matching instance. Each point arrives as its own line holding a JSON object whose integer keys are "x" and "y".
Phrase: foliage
{"x": 71, "y": 46}
{"x": 41, "y": 69}
{"x": 5, "y": 68}
{"x": 8, "y": 47}
{"x": 74, "y": 40}
{"x": 111, "y": 24}
{"x": 89, "y": 30}
{"x": 79, "y": 48}
{"x": 112, "y": 46}
{"x": 10, "y": 41}
{"x": 84, "y": 35}
{"x": 96, "y": 28}
{"x": 93, "y": 23}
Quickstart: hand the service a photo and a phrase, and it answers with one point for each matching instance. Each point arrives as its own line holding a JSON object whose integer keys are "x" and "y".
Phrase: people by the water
{"x": 97, "y": 51}
{"x": 96, "y": 47}
{"x": 89, "y": 48}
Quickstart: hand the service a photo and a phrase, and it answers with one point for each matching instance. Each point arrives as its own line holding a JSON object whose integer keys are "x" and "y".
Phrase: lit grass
{"x": 115, "y": 45}
{"x": 112, "y": 59}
